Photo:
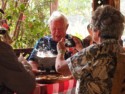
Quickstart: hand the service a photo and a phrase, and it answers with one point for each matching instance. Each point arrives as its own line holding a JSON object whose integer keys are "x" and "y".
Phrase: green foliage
{"x": 71, "y": 7}
{"x": 78, "y": 13}
{"x": 36, "y": 14}
{"x": 34, "y": 23}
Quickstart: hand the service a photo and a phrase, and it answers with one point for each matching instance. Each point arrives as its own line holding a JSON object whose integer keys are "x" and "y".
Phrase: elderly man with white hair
{"x": 58, "y": 25}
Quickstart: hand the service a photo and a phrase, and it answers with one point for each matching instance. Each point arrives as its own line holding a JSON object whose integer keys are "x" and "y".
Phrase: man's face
{"x": 95, "y": 36}
{"x": 58, "y": 29}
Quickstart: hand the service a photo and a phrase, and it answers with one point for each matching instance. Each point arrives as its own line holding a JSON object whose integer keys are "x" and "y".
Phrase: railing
{"x": 25, "y": 51}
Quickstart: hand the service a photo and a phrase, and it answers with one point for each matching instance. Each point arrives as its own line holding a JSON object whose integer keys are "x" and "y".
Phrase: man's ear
{"x": 90, "y": 31}
{"x": 67, "y": 26}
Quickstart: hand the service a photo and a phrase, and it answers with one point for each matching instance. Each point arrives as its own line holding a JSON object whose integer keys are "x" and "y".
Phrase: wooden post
{"x": 97, "y": 3}
{"x": 53, "y": 6}
{"x": 114, "y": 3}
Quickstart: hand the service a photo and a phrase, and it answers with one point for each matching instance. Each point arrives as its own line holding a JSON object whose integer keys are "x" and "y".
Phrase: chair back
{"x": 119, "y": 76}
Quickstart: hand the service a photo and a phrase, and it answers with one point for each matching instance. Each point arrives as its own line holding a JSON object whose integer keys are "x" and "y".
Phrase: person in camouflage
{"x": 58, "y": 25}
{"x": 93, "y": 67}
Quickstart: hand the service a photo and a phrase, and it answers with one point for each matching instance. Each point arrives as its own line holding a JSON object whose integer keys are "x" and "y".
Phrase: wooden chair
{"x": 119, "y": 77}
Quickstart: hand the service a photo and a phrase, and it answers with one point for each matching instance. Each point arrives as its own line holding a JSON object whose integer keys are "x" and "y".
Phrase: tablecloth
{"x": 61, "y": 87}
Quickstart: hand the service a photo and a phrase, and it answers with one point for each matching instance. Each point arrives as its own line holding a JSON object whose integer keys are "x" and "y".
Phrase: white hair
{"x": 56, "y": 15}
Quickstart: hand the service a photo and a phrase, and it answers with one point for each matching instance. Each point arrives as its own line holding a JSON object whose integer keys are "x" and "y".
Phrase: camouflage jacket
{"x": 94, "y": 67}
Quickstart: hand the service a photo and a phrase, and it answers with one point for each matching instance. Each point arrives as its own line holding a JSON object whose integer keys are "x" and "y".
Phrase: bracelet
{"x": 61, "y": 51}
{"x": 27, "y": 66}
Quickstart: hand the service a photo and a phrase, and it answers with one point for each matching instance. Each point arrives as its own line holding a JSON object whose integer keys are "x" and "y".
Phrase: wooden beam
{"x": 114, "y": 3}
{"x": 53, "y": 6}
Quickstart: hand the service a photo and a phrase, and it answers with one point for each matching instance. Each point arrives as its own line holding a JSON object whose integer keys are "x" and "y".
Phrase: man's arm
{"x": 34, "y": 66}
{"x": 61, "y": 64}
{"x": 31, "y": 59}
{"x": 13, "y": 74}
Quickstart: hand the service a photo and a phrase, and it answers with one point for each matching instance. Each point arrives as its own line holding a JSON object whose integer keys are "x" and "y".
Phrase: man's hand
{"x": 61, "y": 46}
{"x": 34, "y": 66}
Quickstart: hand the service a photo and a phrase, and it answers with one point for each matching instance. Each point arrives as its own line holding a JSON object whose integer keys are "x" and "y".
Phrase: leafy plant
{"x": 27, "y": 20}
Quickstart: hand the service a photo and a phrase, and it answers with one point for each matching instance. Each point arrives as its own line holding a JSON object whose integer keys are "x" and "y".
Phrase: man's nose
{"x": 57, "y": 31}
